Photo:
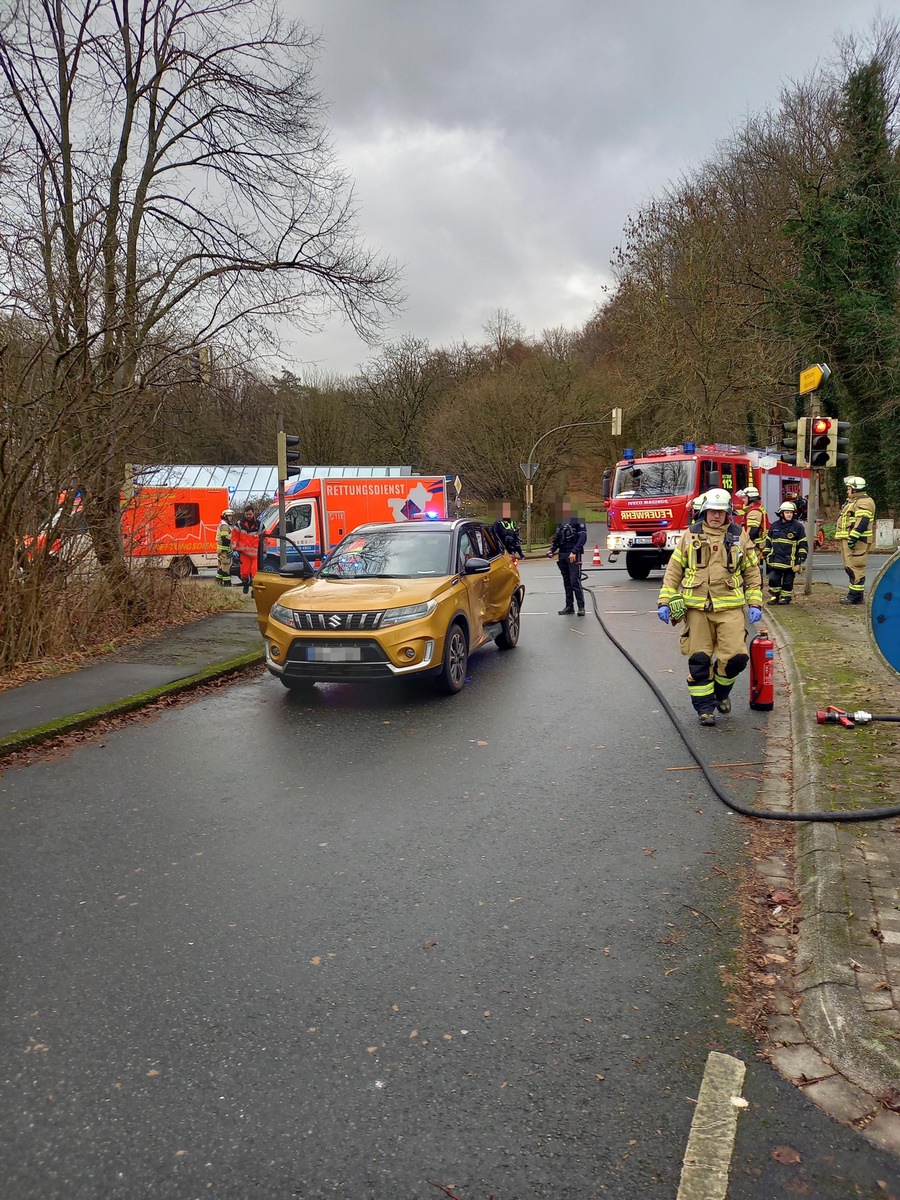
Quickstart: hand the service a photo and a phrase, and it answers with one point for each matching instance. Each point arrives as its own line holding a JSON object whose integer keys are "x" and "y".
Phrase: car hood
{"x": 349, "y": 595}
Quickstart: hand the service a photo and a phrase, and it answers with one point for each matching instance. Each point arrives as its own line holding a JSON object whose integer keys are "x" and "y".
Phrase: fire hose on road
{"x": 762, "y": 814}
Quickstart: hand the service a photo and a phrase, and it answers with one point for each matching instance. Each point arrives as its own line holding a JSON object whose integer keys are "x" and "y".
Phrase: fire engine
{"x": 649, "y": 498}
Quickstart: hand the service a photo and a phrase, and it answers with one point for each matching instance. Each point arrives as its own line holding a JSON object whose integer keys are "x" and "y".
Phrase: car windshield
{"x": 390, "y": 554}
{"x": 675, "y": 478}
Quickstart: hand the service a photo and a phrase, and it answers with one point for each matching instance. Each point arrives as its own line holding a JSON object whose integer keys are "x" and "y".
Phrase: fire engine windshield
{"x": 672, "y": 478}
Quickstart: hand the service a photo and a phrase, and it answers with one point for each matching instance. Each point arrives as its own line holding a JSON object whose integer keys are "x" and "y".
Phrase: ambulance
{"x": 169, "y": 527}
{"x": 649, "y": 498}
{"x": 320, "y": 511}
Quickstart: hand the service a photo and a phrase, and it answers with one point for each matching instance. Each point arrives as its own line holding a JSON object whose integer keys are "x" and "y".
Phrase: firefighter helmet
{"x": 698, "y": 502}
{"x": 751, "y": 493}
{"x": 227, "y": 512}
{"x": 787, "y": 506}
{"x": 717, "y": 500}
{"x": 855, "y": 482}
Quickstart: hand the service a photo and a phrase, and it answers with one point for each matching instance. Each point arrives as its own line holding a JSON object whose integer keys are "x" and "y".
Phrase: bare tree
{"x": 168, "y": 184}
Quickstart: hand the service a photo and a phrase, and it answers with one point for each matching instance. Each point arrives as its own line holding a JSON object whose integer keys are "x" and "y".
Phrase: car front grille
{"x": 338, "y": 622}
{"x": 371, "y": 664}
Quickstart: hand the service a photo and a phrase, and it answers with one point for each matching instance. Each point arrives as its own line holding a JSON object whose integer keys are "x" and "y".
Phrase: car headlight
{"x": 409, "y": 612}
{"x": 278, "y": 612}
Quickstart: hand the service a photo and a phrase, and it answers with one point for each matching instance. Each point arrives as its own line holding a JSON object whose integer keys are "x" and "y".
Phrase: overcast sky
{"x": 497, "y": 147}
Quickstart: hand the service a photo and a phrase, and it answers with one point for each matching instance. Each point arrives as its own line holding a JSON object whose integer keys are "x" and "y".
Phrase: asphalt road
{"x": 386, "y": 944}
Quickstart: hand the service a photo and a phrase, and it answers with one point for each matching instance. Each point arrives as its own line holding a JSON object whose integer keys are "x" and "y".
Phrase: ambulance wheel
{"x": 456, "y": 659}
{"x": 511, "y": 623}
{"x": 181, "y": 568}
{"x": 638, "y": 566}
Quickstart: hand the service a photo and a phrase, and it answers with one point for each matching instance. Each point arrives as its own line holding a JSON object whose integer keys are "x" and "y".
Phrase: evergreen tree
{"x": 842, "y": 304}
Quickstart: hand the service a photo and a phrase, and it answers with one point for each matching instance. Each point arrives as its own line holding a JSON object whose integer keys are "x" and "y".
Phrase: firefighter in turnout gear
{"x": 788, "y": 550}
{"x": 223, "y": 548}
{"x": 855, "y": 531}
{"x": 711, "y": 577}
{"x": 756, "y": 520}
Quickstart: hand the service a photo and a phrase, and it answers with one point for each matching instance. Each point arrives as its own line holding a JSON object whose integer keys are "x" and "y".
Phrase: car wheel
{"x": 297, "y": 685}
{"x": 456, "y": 660}
{"x": 511, "y": 622}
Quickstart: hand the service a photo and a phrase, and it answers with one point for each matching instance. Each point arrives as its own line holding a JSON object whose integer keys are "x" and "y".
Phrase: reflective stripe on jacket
{"x": 857, "y": 519}
{"x": 713, "y": 569}
{"x": 223, "y": 536}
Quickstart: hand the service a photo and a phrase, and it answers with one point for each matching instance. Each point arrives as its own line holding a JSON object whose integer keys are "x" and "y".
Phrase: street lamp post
{"x": 530, "y": 469}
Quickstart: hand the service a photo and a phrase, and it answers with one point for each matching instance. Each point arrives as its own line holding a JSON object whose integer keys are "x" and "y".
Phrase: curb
{"x": 42, "y": 733}
{"x": 832, "y": 1015}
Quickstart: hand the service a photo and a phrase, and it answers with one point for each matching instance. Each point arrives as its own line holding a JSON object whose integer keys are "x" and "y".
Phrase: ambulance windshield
{"x": 662, "y": 478}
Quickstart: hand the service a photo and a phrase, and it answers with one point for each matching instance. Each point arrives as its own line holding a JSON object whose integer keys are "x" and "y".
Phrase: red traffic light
{"x": 821, "y": 425}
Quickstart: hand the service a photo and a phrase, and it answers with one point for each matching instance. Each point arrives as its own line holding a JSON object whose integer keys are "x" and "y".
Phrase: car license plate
{"x": 641, "y": 541}
{"x": 333, "y": 653}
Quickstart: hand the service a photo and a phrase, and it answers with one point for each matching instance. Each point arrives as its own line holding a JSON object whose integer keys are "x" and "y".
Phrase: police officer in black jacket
{"x": 508, "y": 533}
{"x": 568, "y": 544}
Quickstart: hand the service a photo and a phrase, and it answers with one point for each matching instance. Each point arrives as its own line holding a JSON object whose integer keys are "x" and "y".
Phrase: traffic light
{"x": 820, "y": 442}
{"x": 286, "y": 456}
{"x": 793, "y": 446}
{"x": 838, "y": 444}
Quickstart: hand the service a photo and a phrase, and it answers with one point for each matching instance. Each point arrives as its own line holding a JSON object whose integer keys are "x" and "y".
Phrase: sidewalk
{"x": 835, "y": 1028}
{"x": 180, "y": 659}
{"x": 830, "y": 974}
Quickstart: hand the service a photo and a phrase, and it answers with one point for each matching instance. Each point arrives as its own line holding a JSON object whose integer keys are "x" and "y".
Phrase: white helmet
{"x": 787, "y": 506}
{"x": 717, "y": 500}
{"x": 228, "y": 512}
{"x": 856, "y": 482}
{"x": 698, "y": 502}
{"x": 751, "y": 493}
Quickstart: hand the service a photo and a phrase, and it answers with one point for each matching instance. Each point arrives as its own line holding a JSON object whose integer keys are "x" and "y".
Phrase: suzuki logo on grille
{"x": 335, "y": 620}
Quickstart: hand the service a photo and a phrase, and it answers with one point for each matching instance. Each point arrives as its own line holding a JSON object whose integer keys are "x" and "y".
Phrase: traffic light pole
{"x": 282, "y": 543}
{"x": 811, "y": 519}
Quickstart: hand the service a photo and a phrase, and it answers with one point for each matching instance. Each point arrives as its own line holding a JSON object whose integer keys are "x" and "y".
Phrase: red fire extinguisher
{"x": 762, "y": 672}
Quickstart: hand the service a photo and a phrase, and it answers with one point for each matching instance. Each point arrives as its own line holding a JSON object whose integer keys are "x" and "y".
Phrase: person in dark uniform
{"x": 568, "y": 545}
{"x": 508, "y": 533}
{"x": 788, "y": 551}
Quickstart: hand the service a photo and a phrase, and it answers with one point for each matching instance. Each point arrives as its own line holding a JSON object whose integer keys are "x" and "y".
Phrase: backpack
{"x": 566, "y": 537}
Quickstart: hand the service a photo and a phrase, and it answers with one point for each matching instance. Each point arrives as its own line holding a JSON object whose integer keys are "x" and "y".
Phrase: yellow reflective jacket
{"x": 857, "y": 519}
{"x": 713, "y": 569}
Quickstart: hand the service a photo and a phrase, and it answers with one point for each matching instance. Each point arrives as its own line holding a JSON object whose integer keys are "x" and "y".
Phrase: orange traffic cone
{"x": 596, "y": 562}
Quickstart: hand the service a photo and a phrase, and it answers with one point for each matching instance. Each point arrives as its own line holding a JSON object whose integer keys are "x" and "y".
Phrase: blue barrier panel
{"x": 884, "y": 613}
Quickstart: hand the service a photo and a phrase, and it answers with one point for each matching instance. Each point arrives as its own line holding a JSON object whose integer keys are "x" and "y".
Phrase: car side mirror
{"x": 296, "y": 571}
{"x": 476, "y": 566}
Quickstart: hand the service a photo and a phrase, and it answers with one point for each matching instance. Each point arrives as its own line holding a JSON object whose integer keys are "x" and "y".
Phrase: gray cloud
{"x": 498, "y": 146}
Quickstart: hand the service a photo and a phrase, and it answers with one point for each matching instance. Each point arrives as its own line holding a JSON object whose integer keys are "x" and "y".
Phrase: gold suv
{"x": 391, "y": 600}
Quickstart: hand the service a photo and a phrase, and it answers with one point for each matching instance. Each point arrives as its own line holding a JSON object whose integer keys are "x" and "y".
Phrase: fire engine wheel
{"x": 456, "y": 659}
{"x": 638, "y": 566}
{"x": 181, "y": 567}
{"x": 509, "y": 635}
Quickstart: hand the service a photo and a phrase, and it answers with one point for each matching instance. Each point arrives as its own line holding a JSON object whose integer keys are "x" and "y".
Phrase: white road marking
{"x": 707, "y": 1157}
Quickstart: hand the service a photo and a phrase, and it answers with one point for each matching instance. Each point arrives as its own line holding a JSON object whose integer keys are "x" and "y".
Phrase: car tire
{"x": 509, "y": 636}
{"x": 452, "y": 675}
